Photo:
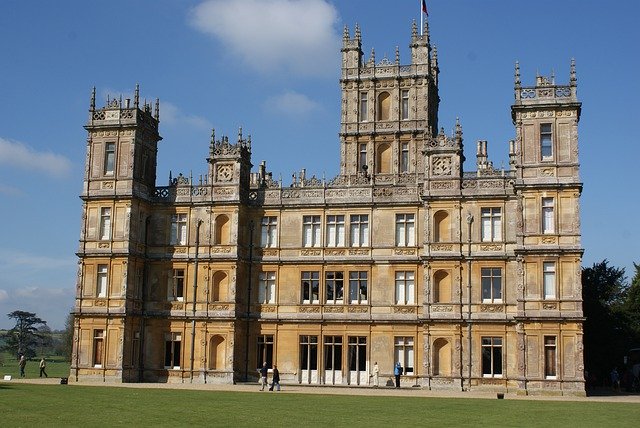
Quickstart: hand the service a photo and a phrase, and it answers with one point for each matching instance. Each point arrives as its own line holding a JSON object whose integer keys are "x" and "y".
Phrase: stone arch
{"x": 441, "y": 287}
{"x": 441, "y": 226}
{"x": 384, "y": 106}
{"x": 217, "y": 353}
{"x": 222, "y": 229}
{"x": 441, "y": 357}
{"x": 383, "y": 159}
{"x": 220, "y": 286}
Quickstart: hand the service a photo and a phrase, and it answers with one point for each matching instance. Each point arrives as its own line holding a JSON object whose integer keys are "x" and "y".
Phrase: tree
{"x": 67, "y": 337}
{"x": 25, "y": 337}
{"x": 606, "y": 334}
{"x": 632, "y": 306}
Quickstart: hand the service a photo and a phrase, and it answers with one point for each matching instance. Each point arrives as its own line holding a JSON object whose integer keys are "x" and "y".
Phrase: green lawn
{"x": 71, "y": 405}
{"x": 55, "y": 368}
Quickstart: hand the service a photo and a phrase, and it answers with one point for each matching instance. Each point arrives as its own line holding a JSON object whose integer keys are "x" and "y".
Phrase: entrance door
{"x": 333, "y": 360}
{"x": 309, "y": 359}
{"x": 358, "y": 373}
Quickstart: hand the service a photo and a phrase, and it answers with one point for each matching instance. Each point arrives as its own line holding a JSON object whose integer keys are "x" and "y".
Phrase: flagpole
{"x": 421, "y": 17}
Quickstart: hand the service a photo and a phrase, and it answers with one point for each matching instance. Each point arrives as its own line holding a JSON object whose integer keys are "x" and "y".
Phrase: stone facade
{"x": 470, "y": 279}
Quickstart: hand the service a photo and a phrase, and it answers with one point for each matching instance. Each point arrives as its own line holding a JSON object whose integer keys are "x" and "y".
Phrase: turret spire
{"x": 136, "y": 96}
{"x": 516, "y": 77}
{"x": 572, "y": 75}
{"x": 92, "y": 105}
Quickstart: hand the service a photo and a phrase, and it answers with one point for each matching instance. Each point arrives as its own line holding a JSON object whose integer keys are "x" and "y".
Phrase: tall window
{"x": 179, "y": 229}
{"x": 334, "y": 287}
{"x": 548, "y": 217}
{"x": 405, "y": 230}
{"x": 492, "y": 356}
{"x": 491, "y": 285}
{"x": 105, "y": 223}
{"x": 311, "y": 231}
{"x": 269, "y": 229}
{"x": 546, "y": 141}
{"x": 176, "y": 285}
{"x": 102, "y": 281}
{"x": 362, "y": 156}
{"x": 310, "y": 287}
{"x": 109, "y": 158}
{"x": 308, "y": 353}
{"x": 363, "y": 107}
{"x": 550, "y": 357}
{"x": 265, "y": 350}
{"x": 267, "y": 287}
{"x": 335, "y": 231}
{"x": 357, "y": 353}
{"x": 404, "y": 158}
{"x": 359, "y": 230}
{"x": 172, "y": 347}
{"x": 405, "y": 104}
{"x": 98, "y": 347}
{"x": 405, "y": 287}
{"x": 333, "y": 353}
{"x": 403, "y": 352}
{"x": 358, "y": 287}
{"x": 549, "y": 279}
{"x": 491, "y": 224}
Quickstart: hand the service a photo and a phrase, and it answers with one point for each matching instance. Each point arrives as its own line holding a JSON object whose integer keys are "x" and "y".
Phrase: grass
{"x": 74, "y": 405}
{"x": 56, "y": 367}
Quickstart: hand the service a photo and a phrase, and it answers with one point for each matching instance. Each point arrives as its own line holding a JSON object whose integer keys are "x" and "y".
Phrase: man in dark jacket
{"x": 275, "y": 382}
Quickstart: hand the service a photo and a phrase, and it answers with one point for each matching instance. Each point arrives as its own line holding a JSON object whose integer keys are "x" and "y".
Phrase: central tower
{"x": 387, "y": 108}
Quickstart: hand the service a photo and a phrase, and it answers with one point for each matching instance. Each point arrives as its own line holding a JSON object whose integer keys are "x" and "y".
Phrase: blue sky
{"x": 272, "y": 67}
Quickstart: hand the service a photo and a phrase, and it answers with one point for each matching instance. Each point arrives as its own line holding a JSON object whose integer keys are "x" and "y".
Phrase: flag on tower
{"x": 424, "y": 7}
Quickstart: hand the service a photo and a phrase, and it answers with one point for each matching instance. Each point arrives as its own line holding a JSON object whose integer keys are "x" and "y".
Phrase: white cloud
{"x": 3, "y": 295}
{"x": 171, "y": 115}
{"x": 9, "y": 190}
{"x": 16, "y": 154}
{"x": 297, "y": 36}
{"x": 12, "y": 260}
{"x": 291, "y": 103}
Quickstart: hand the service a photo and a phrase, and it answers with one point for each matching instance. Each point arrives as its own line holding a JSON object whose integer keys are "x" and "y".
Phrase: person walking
{"x": 275, "y": 382}
{"x": 375, "y": 372}
{"x": 397, "y": 371}
{"x": 263, "y": 375}
{"x": 43, "y": 366}
{"x": 22, "y": 364}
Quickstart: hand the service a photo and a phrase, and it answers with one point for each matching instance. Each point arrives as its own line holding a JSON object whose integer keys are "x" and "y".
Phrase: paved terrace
{"x": 600, "y": 395}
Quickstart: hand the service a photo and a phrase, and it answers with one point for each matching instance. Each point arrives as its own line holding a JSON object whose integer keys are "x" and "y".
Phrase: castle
{"x": 471, "y": 280}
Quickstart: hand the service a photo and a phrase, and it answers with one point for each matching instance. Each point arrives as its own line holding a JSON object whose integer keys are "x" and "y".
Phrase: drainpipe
{"x": 143, "y": 291}
{"x": 248, "y": 314}
{"x": 469, "y": 341}
{"x": 193, "y": 308}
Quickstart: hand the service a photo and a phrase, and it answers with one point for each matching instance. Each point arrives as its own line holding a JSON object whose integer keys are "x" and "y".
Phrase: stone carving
{"x": 441, "y": 165}
{"x": 310, "y": 252}
{"x": 403, "y": 310}
{"x": 549, "y": 306}
{"x": 491, "y": 247}
{"x": 309, "y": 309}
{"x": 441, "y": 308}
{"x": 492, "y": 308}
{"x": 442, "y": 247}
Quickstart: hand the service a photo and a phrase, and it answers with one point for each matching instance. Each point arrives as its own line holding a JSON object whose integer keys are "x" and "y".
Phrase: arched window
{"x": 220, "y": 287}
{"x": 383, "y": 159}
{"x": 441, "y": 287}
{"x": 222, "y": 230}
{"x": 441, "y": 357}
{"x": 216, "y": 353}
{"x": 384, "y": 106}
{"x": 441, "y": 230}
